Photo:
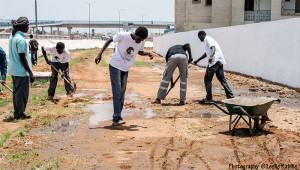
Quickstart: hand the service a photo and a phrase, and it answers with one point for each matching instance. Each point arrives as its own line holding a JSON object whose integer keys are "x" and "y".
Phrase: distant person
{"x": 3, "y": 67}
{"x": 33, "y": 49}
{"x": 127, "y": 46}
{"x": 175, "y": 57}
{"x": 215, "y": 65}
{"x": 19, "y": 66}
{"x": 60, "y": 59}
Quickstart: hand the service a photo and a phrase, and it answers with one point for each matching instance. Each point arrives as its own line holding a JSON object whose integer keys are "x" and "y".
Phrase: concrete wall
{"x": 221, "y": 13}
{"x": 276, "y": 12}
{"x": 238, "y": 12}
{"x": 268, "y": 50}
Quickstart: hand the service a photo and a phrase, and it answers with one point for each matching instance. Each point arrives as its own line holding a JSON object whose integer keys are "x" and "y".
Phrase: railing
{"x": 258, "y": 15}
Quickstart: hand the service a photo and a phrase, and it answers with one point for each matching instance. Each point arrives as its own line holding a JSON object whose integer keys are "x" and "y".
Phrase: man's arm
{"x": 45, "y": 56}
{"x": 188, "y": 47}
{"x": 202, "y": 57}
{"x": 213, "y": 51}
{"x": 26, "y": 66}
{"x": 3, "y": 65}
{"x": 98, "y": 58}
{"x": 143, "y": 53}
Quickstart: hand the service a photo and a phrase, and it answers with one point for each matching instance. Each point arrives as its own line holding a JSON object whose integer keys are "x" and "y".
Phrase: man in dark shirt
{"x": 175, "y": 57}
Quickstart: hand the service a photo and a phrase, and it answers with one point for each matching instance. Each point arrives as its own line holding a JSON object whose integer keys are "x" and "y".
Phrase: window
{"x": 196, "y": 1}
{"x": 249, "y": 5}
{"x": 297, "y": 8}
{"x": 208, "y": 2}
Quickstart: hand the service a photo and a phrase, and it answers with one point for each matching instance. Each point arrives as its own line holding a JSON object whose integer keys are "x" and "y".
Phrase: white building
{"x": 201, "y": 14}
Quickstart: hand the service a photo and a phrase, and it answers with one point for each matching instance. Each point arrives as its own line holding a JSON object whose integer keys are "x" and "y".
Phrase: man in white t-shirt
{"x": 60, "y": 58}
{"x": 127, "y": 46}
{"x": 215, "y": 65}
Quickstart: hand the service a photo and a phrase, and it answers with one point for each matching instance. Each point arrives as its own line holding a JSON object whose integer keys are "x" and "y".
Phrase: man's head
{"x": 60, "y": 47}
{"x": 31, "y": 36}
{"x": 22, "y": 24}
{"x": 141, "y": 33}
{"x": 201, "y": 35}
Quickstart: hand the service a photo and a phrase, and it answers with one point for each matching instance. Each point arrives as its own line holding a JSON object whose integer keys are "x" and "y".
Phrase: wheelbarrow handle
{"x": 220, "y": 108}
{"x": 244, "y": 111}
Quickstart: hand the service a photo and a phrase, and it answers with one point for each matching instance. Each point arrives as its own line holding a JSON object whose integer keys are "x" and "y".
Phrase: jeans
{"x": 20, "y": 94}
{"x": 33, "y": 57}
{"x": 53, "y": 79}
{"x": 210, "y": 71}
{"x": 118, "y": 80}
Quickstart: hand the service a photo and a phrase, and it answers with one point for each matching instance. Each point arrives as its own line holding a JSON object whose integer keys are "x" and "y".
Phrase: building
{"x": 203, "y": 14}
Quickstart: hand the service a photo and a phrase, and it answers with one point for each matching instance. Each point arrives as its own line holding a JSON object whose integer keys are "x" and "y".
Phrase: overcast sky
{"x": 101, "y": 10}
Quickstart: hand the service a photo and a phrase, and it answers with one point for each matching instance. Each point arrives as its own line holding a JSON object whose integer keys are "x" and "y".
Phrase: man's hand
{"x": 195, "y": 62}
{"x": 31, "y": 77}
{"x": 63, "y": 74}
{"x": 98, "y": 59}
{"x": 48, "y": 62}
{"x": 150, "y": 55}
{"x": 3, "y": 83}
{"x": 210, "y": 60}
{"x": 190, "y": 60}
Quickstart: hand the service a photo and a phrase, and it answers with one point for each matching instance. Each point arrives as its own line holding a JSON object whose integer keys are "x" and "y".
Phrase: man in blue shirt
{"x": 3, "y": 67}
{"x": 19, "y": 66}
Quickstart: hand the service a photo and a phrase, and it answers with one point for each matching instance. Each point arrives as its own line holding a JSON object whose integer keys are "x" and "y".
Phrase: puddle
{"x": 132, "y": 96}
{"x": 98, "y": 96}
{"x": 61, "y": 95}
{"x": 66, "y": 126}
{"x": 79, "y": 95}
{"x": 207, "y": 115}
{"x": 103, "y": 112}
{"x": 149, "y": 114}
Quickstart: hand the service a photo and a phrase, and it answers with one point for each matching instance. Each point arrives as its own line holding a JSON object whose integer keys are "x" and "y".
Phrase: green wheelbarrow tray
{"x": 253, "y": 108}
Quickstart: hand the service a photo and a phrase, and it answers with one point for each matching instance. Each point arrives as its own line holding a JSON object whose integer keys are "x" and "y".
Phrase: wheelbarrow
{"x": 253, "y": 108}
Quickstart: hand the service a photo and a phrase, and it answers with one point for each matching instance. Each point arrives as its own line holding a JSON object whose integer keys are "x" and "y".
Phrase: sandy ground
{"x": 167, "y": 136}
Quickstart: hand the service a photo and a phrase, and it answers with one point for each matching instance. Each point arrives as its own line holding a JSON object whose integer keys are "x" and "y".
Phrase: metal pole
{"x": 36, "y": 28}
{"x": 119, "y": 20}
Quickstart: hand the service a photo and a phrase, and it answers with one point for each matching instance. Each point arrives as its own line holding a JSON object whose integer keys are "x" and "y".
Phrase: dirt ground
{"x": 76, "y": 133}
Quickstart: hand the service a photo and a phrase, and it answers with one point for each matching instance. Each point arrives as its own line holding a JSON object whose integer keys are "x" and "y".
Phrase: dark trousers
{"x": 33, "y": 57}
{"x": 53, "y": 79}
{"x": 20, "y": 94}
{"x": 118, "y": 80}
{"x": 210, "y": 71}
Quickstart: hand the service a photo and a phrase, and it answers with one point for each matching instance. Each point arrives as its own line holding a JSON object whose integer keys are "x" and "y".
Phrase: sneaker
{"x": 121, "y": 121}
{"x": 50, "y": 98}
{"x": 206, "y": 101}
{"x": 22, "y": 117}
{"x": 181, "y": 103}
{"x": 115, "y": 123}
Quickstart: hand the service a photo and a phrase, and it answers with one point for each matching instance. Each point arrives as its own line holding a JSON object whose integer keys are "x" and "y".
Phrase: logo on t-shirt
{"x": 128, "y": 54}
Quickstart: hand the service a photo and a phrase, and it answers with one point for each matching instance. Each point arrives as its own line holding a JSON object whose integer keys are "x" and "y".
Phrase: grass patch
{"x": 4, "y": 138}
{"x": 21, "y": 156}
{"x": 139, "y": 64}
{"x": 90, "y": 53}
{"x": 20, "y": 133}
{"x": 74, "y": 61}
{"x": 3, "y": 102}
{"x": 46, "y": 122}
{"x": 39, "y": 99}
{"x": 8, "y": 78}
{"x": 39, "y": 83}
{"x": 60, "y": 90}
{"x": 103, "y": 63}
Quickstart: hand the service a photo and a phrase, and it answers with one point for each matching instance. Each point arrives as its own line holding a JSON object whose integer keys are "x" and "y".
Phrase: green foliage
{"x": 20, "y": 133}
{"x": 21, "y": 156}
{"x": 4, "y": 138}
{"x": 36, "y": 83}
{"x": 3, "y": 102}
{"x": 74, "y": 61}
{"x": 139, "y": 64}
{"x": 46, "y": 122}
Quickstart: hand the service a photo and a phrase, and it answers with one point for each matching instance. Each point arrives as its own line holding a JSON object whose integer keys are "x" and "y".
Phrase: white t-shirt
{"x": 125, "y": 52}
{"x": 55, "y": 57}
{"x": 209, "y": 42}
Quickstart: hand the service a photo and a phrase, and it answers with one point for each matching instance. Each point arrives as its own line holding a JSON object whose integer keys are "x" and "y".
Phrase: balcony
{"x": 258, "y": 15}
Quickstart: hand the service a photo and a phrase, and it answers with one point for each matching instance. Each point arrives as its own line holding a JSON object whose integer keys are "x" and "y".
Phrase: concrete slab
{"x": 42, "y": 76}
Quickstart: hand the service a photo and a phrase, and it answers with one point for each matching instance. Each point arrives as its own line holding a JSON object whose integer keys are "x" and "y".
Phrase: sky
{"x": 101, "y": 10}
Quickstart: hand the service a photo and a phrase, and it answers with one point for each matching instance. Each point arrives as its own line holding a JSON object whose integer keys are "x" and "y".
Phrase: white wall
{"x": 269, "y": 50}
